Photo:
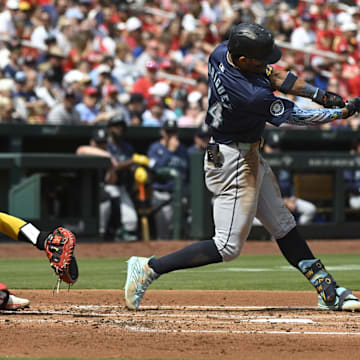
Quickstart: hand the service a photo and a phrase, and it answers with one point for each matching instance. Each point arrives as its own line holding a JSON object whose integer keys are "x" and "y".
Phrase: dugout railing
{"x": 319, "y": 177}
{"x": 49, "y": 150}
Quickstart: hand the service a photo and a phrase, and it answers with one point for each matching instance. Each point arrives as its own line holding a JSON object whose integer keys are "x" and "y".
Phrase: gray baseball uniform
{"x": 244, "y": 187}
{"x": 241, "y": 102}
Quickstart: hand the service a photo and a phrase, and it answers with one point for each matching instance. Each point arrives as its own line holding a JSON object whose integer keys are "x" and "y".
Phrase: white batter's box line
{"x": 160, "y": 321}
{"x": 204, "y": 307}
{"x": 143, "y": 316}
{"x": 237, "y": 332}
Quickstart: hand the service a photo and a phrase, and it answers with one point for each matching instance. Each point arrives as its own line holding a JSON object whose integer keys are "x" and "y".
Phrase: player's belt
{"x": 248, "y": 146}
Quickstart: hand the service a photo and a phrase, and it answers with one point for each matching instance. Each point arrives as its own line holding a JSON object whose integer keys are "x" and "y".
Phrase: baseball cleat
{"x": 11, "y": 302}
{"x": 139, "y": 276}
{"x": 345, "y": 301}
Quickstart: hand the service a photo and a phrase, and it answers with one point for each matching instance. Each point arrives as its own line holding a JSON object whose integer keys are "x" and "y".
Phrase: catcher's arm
{"x": 289, "y": 83}
{"x": 59, "y": 245}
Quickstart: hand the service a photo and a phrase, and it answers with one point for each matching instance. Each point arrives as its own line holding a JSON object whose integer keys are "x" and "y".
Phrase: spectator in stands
{"x": 12, "y": 66}
{"x": 43, "y": 31}
{"x": 303, "y": 35}
{"x": 168, "y": 152}
{"x": 8, "y": 113}
{"x": 111, "y": 104}
{"x": 26, "y": 102}
{"x": 284, "y": 22}
{"x": 132, "y": 38}
{"x": 65, "y": 112}
{"x": 53, "y": 61}
{"x": 354, "y": 81}
{"x": 8, "y": 18}
{"x": 324, "y": 35}
{"x": 193, "y": 115}
{"x": 179, "y": 102}
{"x": 157, "y": 113}
{"x": 345, "y": 41}
{"x": 202, "y": 86}
{"x": 147, "y": 81}
{"x": 342, "y": 82}
{"x": 83, "y": 36}
{"x": 334, "y": 85}
{"x": 125, "y": 70}
{"x": 150, "y": 53}
{"x": 136, "y": 107}
{"x": 89, "y": 108}
{"x": 49, "y": 90}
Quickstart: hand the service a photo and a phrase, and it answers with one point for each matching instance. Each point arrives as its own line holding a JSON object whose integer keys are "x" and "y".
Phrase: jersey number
{"x": 215, "y": 111}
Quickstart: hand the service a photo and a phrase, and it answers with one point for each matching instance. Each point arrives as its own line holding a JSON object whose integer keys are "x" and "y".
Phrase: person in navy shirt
{"x": 122, "y": 203}
{"x": 168, "y": 152}
{"x": 241, "y": 102}
{"x": 201, "y": 139}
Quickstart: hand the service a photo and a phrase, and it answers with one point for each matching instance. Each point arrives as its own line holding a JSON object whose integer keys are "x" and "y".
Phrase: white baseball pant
{"x": 244, "y": 187}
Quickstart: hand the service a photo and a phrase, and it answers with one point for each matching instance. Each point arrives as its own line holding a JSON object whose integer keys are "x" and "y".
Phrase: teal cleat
{"x": 345, "y": 301}
{"x": 139, "y": 276}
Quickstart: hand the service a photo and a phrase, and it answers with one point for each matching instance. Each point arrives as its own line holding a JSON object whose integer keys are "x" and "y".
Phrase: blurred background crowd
{"x": 122, "y": 63}
{"x": 80, "y": 61}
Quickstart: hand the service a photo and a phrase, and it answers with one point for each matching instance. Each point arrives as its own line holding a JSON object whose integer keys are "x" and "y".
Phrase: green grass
{"x": 247, "y": 272}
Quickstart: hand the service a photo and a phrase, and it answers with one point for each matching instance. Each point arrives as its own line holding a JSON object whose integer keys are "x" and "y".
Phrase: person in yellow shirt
{"x": 21, "y": 230}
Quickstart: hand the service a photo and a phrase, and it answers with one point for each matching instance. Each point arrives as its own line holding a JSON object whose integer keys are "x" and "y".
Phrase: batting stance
{"x": 241, "y": 101}
{"x": 58, "y": 245}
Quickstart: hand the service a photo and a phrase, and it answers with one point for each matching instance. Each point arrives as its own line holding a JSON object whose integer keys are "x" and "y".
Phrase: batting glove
{"x": 352, "y": 106}
{"x": 328, "y": 99}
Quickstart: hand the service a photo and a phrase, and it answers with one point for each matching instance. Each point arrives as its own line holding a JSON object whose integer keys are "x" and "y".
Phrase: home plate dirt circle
{"x": 175, "y": 324}
{"x": 197, "y": 319}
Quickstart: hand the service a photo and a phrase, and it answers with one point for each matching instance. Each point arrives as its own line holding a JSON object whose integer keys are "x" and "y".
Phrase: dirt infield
{"x": 178, "y": 324}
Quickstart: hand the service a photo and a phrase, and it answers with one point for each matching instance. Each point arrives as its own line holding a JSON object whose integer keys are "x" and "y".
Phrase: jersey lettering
{"x": 219, "y": 87}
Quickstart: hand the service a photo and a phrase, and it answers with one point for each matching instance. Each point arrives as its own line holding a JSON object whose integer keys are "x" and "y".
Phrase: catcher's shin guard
{"x": 323, "y": 282}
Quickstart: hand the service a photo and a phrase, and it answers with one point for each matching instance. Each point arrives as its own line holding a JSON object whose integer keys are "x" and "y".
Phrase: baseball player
{"x": 58, "y": 246}
{"x": 241, "y": 101}
{"x": 168, "y": 152}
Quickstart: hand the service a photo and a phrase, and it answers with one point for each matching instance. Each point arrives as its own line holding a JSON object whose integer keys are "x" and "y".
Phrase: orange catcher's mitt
{"x": 59, "y": 248}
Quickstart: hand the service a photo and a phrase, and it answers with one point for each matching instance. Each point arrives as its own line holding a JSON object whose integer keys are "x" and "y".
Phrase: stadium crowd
{"x": 80, "y": 61}
{"x": 125, "y": 63}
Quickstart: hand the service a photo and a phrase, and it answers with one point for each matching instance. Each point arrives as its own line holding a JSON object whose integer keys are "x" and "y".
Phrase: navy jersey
{"x": 240, "y": 103}
{"x": 121, "y": 152}
{"x": 160, "y": 157}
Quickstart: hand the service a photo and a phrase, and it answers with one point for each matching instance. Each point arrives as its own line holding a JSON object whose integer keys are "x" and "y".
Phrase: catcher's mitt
{"x": 59, "y": 248}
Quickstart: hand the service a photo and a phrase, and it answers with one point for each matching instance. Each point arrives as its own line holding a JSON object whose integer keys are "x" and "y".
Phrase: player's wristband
{"x": 318, "y": 96}
{"x": 288, "y": 82}
{"x": 29, "y": 232}
{"x": 312, "y": 92}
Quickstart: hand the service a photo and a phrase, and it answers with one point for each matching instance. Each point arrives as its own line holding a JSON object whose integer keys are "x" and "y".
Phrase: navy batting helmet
{"x": 253, "y": 41}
